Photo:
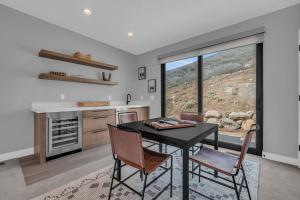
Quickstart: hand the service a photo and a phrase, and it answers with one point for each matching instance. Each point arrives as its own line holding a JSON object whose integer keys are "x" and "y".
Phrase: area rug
{"x": 95, "y": 186}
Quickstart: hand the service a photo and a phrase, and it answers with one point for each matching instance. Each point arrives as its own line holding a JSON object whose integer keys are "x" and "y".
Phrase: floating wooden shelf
{"x": 75, "y": 79}
{"x": 67, "y": 58}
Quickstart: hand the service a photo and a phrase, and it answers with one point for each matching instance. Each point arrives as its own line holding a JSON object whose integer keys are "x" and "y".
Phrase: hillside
{"x": 213, "y": 65}
{"x": 228, "y": 84}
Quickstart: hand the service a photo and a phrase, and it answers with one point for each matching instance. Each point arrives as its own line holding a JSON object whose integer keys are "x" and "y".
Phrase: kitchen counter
{"x": 47, "y": 107}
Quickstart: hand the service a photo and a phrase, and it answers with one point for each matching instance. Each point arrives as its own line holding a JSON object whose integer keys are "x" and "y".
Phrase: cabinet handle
{"x": 99, "y": 110}
{"x": 100, "y": 117}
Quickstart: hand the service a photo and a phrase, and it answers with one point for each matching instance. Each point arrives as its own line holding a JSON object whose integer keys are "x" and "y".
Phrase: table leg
{"x": 119, "y": 175}
{"x": 160, "y": 147}
{"x": 216, "y": 146}
{"x": 185, "y": 174}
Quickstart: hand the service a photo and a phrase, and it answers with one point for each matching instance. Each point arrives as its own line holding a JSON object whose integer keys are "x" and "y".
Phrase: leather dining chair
{"x": 127, "y": 117}
{"x": 190, "y": 117}
{"x": 224, "y": 163}
{"x": 193, "y": 117}
{"x": 127, "y": 147}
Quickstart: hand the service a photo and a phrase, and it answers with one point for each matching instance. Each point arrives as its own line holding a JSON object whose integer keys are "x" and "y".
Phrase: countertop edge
{"x": 70, "y": 109}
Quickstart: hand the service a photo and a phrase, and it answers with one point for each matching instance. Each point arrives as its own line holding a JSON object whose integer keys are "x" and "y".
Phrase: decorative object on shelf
{"x": 82, "y": 56}
{"x": 104, "y": 77}
{"x": 53, "y": 73}
{"x": 142, "y": 73}
{"x": 92, "y": 103}
{"x": 70, "y": 58}
{"x": 152, "y": 86}
{"x": 47, "y": 76}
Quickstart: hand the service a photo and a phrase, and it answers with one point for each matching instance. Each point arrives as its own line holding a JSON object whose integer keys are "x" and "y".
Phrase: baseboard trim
{"x": 16, "y": 154}
{"x": 282, "y": 159}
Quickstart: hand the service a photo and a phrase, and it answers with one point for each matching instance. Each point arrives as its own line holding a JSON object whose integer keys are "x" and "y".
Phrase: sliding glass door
{"x": 225, "y": 86}
{"x": 229, "y": 92}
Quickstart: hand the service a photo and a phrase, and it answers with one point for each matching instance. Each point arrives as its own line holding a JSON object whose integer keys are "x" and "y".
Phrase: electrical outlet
{"x": 142, "y": 97}
{"x": 62, "y": 96}
{"x": 152, "y": 98}
{"x": 109, "y": 97}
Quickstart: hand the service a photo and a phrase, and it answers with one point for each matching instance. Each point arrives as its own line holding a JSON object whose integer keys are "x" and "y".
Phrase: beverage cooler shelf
{"x": 64, "y": 132}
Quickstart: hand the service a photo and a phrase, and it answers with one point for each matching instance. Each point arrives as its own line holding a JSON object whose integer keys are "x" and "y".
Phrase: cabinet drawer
{"x": 92, "y": 139}
{"x": 98, "y": 113}
{"x": 97, "y": 123}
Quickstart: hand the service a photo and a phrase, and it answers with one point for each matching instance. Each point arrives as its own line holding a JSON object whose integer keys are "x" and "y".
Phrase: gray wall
{"x": 21, "y": 38}
{"x": 280, "y": 75}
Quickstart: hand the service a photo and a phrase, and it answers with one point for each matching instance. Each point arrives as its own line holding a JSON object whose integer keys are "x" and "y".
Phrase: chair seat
{"x": 153, "y": 160}
{"x": 216, "y": 160}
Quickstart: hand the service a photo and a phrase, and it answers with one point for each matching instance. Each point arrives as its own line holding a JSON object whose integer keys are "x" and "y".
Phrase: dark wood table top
{"x": 181, "y": 137}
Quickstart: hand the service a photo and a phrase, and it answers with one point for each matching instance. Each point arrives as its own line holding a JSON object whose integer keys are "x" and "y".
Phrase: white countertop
{"x": 47, "y": 107}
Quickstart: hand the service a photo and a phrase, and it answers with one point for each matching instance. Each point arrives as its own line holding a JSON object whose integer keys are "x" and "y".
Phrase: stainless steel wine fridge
{"x": 64, "y": 133}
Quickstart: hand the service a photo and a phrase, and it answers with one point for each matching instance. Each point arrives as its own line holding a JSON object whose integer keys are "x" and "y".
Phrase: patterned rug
{"x": 95, "y": 186}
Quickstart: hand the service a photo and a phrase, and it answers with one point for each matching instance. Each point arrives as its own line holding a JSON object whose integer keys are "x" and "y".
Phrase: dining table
{"x": 182, "y": 138}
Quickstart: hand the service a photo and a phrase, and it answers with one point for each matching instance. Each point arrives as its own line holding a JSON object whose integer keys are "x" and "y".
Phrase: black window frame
{"x": 259, "y": 101}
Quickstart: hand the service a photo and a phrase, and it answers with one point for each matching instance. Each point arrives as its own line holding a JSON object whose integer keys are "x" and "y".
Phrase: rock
{"x": 250, "y": 113}
{"x": 226, "y": 114}
{"x": 238, "y": 115}
{"x": 227, "y": 121}
{"x": 213, "y": 121}
{"x": 247, "y": 124}
{"x": 254, "y": 117}
{"x": 239, "y": 122}
{"x": 213, "y": 114}
{"x": 230, "y": 124}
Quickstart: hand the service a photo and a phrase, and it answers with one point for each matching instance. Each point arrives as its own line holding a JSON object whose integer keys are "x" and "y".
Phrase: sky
{"x": 180, "y": 63}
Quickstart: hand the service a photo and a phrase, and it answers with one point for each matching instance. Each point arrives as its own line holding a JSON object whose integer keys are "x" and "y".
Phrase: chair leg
{"x": 193, "y": 149}
{"x": 199, "y": 177}
{"x": 247, "y": 186}
{"x": 242, "y": 185}
{"x": 112, "y": 180}
{"x": 235, "y": 188}
{"x": 144, "y": 187}
{"x": 141, "y": 175}
{"x": 171, "y": 178}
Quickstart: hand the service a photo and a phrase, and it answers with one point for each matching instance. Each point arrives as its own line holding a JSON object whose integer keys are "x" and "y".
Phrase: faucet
{"x": 128, "y": 98}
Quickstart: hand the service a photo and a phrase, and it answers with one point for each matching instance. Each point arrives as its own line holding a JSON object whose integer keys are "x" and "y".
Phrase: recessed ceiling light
{"x": 130, "y": 34}
{"x": 87, "y": 12}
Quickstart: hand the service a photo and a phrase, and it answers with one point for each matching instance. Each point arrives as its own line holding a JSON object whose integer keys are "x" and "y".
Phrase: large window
{"x": 229, "y": 92}
{"x": 225, "y": 86}
{"x": 181, "y": 86}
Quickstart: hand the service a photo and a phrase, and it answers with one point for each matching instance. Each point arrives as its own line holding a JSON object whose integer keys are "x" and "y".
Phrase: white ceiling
{"x": 155, "y": 23}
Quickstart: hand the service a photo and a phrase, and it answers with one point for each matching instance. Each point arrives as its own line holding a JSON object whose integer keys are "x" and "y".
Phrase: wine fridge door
{"x": 64, "y": 132}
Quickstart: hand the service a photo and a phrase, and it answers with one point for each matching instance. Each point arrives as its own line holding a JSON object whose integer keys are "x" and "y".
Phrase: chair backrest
{"x": 127, "y": 117}
{"x": 127, "y": 147}
{"x": 246, "y": 144}
{"x": 191, "y": 116}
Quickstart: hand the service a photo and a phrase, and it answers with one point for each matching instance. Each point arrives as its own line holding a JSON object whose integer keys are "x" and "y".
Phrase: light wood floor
{"x": 34, "y": 172}
{"x": 277, "y": 181}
